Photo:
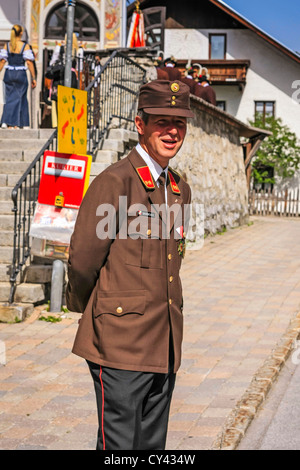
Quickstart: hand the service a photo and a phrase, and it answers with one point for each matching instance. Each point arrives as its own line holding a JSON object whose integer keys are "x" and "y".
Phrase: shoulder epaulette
{"x": 174, "y": 186}
{"x": 175, "y": 171}
{"x": 146, "y": 177}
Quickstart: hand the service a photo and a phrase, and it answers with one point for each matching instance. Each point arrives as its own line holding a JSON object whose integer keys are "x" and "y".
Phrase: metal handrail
{"x": 24, "y": 197}
{"x": 112, "y": 94}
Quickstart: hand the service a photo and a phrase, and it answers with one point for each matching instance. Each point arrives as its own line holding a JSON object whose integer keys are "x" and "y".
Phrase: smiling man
{"x": 128, "y": 288}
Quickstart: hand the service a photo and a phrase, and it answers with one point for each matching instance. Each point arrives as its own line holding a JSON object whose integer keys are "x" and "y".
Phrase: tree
{"x": 279, "y": 154}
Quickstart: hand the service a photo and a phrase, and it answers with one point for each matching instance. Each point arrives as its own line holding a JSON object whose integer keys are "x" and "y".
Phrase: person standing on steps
{"x": 19, "y": 57}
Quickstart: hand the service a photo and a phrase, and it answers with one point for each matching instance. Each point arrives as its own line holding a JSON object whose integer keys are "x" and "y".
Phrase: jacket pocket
{"x": 120, "y": 304}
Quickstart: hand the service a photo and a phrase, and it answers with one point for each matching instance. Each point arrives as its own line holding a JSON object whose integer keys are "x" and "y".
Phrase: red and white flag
{"x": 136, "y": 36}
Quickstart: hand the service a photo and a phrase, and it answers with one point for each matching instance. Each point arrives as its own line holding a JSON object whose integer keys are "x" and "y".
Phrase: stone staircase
{"x": 17, "y": 149}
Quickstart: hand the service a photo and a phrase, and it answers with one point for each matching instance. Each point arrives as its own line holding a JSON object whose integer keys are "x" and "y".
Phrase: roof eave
{"x": 256, "y": 30}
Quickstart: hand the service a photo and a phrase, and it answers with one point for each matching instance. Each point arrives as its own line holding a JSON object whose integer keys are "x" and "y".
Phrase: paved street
{"x": 276, "y": 426}
{"x": 241, "y": 292}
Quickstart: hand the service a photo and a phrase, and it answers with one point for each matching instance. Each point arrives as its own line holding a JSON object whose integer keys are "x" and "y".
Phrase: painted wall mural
{"x": 34, "y": 25}
{"x": 112, "y": 23}
{"x": 113, "y": 10}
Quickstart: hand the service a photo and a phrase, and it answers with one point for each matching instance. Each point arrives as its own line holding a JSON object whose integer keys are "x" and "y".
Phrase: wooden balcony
{"x": 222, "y": 72}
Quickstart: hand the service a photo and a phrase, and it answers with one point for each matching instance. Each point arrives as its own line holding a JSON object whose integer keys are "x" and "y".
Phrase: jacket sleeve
{"x": 89, "y": 246}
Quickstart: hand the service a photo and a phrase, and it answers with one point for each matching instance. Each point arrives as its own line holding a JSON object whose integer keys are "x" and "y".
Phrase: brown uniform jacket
{"x": 173, "y": 73}
{"x": 129, "y": 289}
{"x": 162, "y": 74}
{"x": 206, "y": 93}
{"x": 191, "y": 83}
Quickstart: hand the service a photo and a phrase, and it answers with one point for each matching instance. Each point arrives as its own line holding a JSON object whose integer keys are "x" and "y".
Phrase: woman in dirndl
{"x": 19, "y": 57}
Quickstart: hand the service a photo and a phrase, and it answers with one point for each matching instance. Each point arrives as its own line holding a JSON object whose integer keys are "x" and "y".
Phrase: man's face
{"x": 162, "y": 137}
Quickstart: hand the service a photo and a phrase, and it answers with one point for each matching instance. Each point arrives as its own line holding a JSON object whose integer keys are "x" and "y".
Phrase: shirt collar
{"x": 154, "y": 167}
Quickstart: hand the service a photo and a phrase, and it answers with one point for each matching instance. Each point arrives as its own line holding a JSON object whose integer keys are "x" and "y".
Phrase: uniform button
{"x": 170, "y": 301}
{"x": 169, "y": 256}
{"x": 171, "y": 279}
{"x": 119, "y": 310}
{"x": 148, "y": 232}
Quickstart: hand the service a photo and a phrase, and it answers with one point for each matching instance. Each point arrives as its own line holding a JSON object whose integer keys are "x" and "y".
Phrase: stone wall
{"x": 211, "y": 160}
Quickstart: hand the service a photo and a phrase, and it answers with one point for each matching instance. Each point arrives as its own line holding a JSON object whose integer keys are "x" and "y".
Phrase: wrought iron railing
{"x": 112, "y": 94}
{"x": 24, "y": 197}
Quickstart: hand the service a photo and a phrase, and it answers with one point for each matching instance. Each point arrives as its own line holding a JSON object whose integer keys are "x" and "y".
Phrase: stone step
{"x": 133, "y": 136}
{"x": 25, "y": 293}
{"x": 115, "y": 145}
{"x": 11, "y": 180}
{"x": 5, "y": 193}
{"x": 15, "y": 312}
{"x": 18, "y": 154}
{"x": 119, "y": 134}
{"x": 11, "y": 155}
{"x": 123, "y": 135}
{"x": 4, "y": 272}
{"x": 25, "y": 144}
{"x": 3, "y": 180}
{"x": 6, "y": 207}
{"x": 33, "y": 274}
{"x": 38, "y": 273}
{"x": 97, "y": 168}
{"x": 6, "y": 238}
{"x": 29, "y": 155}
{"x": 6, "y": 254}
{"x": 6, "y": 222}
{"x": 13, "y": 167}
{"x": 106, "y": 156}
{"x": 17, "y": 134}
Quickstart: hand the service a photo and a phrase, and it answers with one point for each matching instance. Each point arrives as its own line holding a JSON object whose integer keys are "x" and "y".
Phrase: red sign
{"x": 64, "y": 179}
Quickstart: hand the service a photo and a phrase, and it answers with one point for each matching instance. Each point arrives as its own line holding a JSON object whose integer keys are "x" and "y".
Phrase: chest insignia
{"x": 173, "y": 183}
{"x": 146, "y": 177}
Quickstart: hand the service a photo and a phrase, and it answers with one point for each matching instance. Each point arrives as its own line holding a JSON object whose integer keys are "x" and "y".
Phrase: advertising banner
{"x": 64, "y": 181}
{"x": 71, "y": 120}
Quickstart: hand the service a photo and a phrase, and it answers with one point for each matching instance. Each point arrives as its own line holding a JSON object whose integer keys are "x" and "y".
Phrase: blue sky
{"x": 280, "y": 19}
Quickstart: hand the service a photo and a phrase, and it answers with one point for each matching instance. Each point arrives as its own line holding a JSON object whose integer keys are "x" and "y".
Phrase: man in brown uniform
{"x": 207, "y": 93}
{"x": 124, "y": 262}
{"x": 170, "y": 68}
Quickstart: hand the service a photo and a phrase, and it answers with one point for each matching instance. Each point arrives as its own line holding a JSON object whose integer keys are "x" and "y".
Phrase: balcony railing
{"x": 222, "y": 72}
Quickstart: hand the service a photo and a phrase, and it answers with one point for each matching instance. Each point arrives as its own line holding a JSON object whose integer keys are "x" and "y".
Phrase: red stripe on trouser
{"x": 102, "y": 413}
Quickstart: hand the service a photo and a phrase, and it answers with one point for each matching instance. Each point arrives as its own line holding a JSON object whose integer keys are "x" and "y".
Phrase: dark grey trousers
{"x": 133, "y": 408}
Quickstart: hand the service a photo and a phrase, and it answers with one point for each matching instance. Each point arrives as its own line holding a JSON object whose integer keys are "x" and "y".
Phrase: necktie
{"x": 162, "y": 186}
{"x": 163, "y": 207}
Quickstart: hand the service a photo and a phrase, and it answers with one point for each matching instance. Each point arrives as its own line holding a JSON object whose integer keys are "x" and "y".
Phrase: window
{"x": 217, "y": 46}
{"x": 264, "y": 109}
{"x": 221, "y": 105}
{"x": 85, "y": 23}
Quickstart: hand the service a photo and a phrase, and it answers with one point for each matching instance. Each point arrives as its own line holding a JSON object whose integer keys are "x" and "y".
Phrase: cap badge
{"x": 175, "y": 87}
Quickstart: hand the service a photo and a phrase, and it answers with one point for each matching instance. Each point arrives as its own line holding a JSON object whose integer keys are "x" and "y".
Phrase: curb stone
{"x": 242, "y": 415}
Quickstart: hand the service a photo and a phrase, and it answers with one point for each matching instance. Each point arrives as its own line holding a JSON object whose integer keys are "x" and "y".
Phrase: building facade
{"x": 99, "y": 24}
{"x": 250, "y": 71}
